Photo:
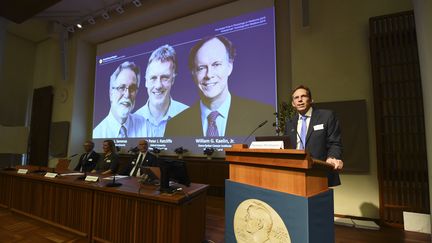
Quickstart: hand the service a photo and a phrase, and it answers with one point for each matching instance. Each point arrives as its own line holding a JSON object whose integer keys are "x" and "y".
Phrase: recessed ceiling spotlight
{"x": 91, "y": 20}
{"x": 137, "y": 3}
{"x": 119, "y": 9}
{"x": 79, "y": 25}
{"x": 105, "y": 15}
{"x": 70, "y": 28}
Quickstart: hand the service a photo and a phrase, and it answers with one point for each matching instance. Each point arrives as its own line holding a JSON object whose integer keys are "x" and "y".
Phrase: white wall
{"x": 331, "y": 56}
{"x": 423, "y": 18}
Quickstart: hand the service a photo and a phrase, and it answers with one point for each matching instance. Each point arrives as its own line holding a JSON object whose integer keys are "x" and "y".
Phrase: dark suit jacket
{"x": 320, "y": 143}
{"x": 111, "y": 161}
{"x": 149, "y": 160}
{"x": 243, "y": 117}
{"x": 88, "y": 164}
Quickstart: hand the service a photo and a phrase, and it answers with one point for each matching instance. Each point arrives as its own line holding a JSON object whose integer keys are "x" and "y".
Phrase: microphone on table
{"x": 113, "y": 183}
{"x": 260, "y": 125}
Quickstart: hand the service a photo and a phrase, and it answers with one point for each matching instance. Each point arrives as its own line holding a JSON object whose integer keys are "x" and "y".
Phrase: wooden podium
{"x": 285, "y": 170}
{"x": 289, "y": 182}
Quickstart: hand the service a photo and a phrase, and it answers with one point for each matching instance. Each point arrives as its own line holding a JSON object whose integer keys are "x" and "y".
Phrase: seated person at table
{"x": 88, "y": 160}
{"x": 110, "y": 162}
{"x": 143, "y": 158}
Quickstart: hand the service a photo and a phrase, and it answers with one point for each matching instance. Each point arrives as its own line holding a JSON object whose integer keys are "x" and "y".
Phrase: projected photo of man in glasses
{"x": 123, "y": 89}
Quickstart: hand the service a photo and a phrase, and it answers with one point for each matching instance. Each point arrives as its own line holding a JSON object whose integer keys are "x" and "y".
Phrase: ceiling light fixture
{"x": 105, "y": 15}
{"x": 70, "y": 29}
{"x": 119, "y": 9}
{"x": 91, "y": 20}
{"x": 137, "y": 3}
{"x": 79, "y": 25}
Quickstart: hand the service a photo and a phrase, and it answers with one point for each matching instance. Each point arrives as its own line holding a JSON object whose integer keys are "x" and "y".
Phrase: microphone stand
{"x": 83, "y": 176}
{"x": 113, "y": 183}
{"x": 260, "y": 125}
{"x": 298, "y": 135}
{"x": 9, "y": 167}
{"x": 39, "y": 170}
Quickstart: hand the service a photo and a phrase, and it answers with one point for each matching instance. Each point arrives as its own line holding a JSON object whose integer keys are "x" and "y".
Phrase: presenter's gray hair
{"x": 126, "y": 65}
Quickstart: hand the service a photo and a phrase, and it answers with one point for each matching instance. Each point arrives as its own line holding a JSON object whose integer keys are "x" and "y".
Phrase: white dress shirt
{"x": 141, "y": 157}
{"x": 110, "y": 127}
{"x": 157, "y": 129}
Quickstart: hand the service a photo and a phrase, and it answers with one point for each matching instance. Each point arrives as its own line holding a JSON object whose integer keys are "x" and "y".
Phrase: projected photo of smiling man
{"x": 123, "y": 89}
{"x": 213, "y": 65}
{"x": 218, "y": 113}
{"x": 159, "y": 79}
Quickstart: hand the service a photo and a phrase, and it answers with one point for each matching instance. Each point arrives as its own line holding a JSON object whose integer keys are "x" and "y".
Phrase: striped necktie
{"x": 212, "y": 130}
{"x": 122, "y": 132}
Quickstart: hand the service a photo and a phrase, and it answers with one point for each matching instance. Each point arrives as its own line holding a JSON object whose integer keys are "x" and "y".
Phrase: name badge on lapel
{"x": 108, "y": 161}
{"x": 90, "y": 159}
{"x": 318, "y": 127}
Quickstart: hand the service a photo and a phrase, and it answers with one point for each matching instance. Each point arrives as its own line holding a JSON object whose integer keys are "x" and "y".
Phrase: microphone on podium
{"x": 260, "y": 125}
{"x": 298, "y": 135}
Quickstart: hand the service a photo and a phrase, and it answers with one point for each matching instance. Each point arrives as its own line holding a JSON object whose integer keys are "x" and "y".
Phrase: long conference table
{"x": 129, "y": 213}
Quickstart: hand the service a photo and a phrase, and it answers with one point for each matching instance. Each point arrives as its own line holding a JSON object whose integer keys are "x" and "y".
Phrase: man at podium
{"x": 316, "y": 131}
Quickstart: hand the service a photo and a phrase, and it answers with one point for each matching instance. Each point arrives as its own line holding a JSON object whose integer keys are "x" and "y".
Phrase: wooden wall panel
{"x": 5, "y": 192}
{"x": 59, "y": 204}
{"x": 130, "y": 213}
{"x": 153, "y": 216}
{"x": 113, "y": 218}
{"x": 399, "y": 118}
{"x": 40, "y": 126}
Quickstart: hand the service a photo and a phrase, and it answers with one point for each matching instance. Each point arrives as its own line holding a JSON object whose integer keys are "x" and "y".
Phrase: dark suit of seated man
{"x": 143, "y": 158}
{"x": 88, "y": 160}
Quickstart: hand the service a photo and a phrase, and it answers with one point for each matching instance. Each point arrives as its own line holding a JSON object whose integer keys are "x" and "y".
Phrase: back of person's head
{"x": 231, "y": 51}
{"x": 125, "y": 65}
{"x": 165, "y": 53}
{"x": 301, "y": 86}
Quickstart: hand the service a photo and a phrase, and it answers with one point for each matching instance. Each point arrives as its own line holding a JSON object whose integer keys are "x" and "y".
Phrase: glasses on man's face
{"x": 122, "y": 89}
{"x": 164, "y": 79}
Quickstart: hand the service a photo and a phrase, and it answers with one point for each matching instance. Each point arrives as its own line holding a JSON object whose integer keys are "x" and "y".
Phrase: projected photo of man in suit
{"x": 218, "y": 113}
{"x": 123, "y": 89}
{"x": 159, "y": 79}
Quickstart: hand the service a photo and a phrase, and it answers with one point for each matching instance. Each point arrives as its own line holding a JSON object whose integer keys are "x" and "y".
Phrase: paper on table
{"x": 365, "y": 224}
{"x": 116, "y": 177}
{"x": 72, "y": 174}
{"x": 343, "y": 221}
